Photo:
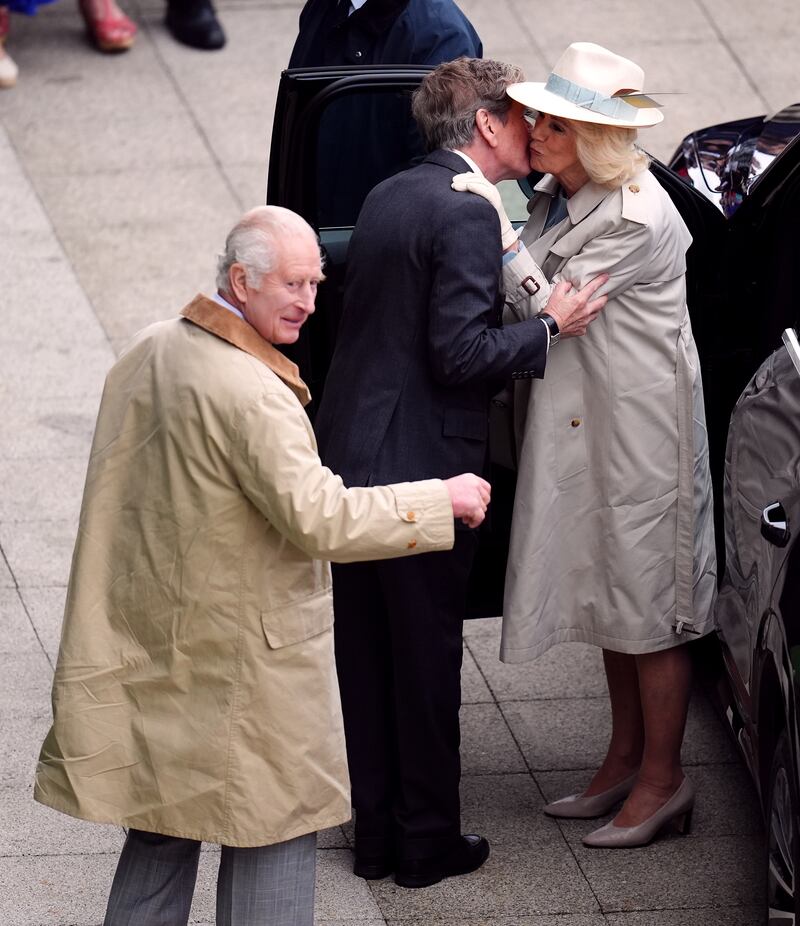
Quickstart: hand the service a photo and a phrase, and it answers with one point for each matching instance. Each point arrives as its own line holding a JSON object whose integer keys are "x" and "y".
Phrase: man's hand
{"x": 475, "y": 183}
{"x": 573, "y": 309}
{"x": 469, "y": 496}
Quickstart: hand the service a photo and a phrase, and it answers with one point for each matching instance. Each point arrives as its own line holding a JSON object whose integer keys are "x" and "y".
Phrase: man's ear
{"x": 484, "y": 123}
{"x": 237, "y": 277}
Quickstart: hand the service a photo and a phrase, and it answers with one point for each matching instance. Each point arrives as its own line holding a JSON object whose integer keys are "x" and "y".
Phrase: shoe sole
{"x": 403, "y": 881}
{"x": 372, "y": 872}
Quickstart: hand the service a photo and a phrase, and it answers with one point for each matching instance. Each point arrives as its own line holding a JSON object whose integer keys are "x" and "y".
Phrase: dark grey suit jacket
{"x": 420, "y": 348}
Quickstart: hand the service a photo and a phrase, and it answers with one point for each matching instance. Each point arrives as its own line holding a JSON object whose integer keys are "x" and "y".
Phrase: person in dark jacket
{"x": 366, "y": 138}
{"x": 419, "y": 353}
{"x": 383, "y": 32}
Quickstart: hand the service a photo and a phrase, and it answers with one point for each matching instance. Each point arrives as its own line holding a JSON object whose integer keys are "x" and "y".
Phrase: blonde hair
{"x": 608, "y": 153}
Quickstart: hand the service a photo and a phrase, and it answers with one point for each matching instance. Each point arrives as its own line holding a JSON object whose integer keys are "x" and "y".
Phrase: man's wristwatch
{"x": 552, "y": 327}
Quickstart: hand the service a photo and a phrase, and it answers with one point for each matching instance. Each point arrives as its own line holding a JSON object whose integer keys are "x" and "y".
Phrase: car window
{"x": 364, "y": 137}
{"x": 514, "y": 200}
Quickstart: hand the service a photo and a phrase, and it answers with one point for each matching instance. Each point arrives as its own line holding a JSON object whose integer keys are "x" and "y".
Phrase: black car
{"x": 338, "y": 131}
{"x": 750, "y": 170}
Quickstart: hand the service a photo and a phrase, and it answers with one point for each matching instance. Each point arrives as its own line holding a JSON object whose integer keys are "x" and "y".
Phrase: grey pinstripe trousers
{"x": 264, "y": 886}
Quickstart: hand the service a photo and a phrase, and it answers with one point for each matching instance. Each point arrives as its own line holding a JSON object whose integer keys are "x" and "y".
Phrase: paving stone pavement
{"x": 119, "y": 176}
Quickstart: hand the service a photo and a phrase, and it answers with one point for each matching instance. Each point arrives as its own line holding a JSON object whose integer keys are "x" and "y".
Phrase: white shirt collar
{"x": 220, "y": 300}
{"x": 356, "y": 5}
{"x": 472, "y": 165}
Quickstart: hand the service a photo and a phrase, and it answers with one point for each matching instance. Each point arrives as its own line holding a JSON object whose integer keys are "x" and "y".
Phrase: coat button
{"x": 576, "y": 422}
{"x": 411, "y": 516}
{"x": 634, "y": 188}
{"x": 359, "y": 54}
{"x": 412, "y": 544}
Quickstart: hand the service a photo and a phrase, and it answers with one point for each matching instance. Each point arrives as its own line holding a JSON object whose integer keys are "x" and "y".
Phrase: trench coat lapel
{"x": 208, "y": 315}
{"x": 580, "y": 207}
{"x": 555, "y": 246}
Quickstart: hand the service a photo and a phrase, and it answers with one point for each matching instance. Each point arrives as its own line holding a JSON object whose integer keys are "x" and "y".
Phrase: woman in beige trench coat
{"x": 612, "y": 535}
{"x": 195, "y": 695}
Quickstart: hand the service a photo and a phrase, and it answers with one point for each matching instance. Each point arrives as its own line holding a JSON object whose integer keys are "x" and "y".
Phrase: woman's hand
{"x": 469, "y": 496}
{"x": 475, "y": 183}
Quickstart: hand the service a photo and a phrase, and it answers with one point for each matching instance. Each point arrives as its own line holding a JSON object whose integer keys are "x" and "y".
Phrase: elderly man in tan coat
{"x": 195, "y": 696}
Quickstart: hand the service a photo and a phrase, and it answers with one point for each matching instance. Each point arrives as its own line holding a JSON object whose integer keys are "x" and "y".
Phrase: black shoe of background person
{"x": 468, "y": 855}
{"x": 373, "y": 867}
{"x": 194, "y": 23}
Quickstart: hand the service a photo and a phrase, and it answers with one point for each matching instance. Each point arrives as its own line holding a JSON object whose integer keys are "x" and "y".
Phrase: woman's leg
{"x": 664, "y": 686}
{"x": 627, "y": 725}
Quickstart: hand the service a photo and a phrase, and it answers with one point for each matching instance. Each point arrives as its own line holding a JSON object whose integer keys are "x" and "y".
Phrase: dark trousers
{"x": 398, "y": 635}
{"x": 264, "y": 886}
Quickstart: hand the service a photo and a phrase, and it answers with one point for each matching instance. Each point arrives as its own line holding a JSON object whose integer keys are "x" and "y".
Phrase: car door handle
{"x": 775, "y": 525}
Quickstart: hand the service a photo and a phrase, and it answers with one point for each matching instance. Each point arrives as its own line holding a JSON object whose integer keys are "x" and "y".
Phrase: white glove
{"x": 475, "y": 183}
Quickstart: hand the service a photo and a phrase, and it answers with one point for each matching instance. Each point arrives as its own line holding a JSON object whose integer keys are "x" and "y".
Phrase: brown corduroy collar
{"x": 212, "y": 317}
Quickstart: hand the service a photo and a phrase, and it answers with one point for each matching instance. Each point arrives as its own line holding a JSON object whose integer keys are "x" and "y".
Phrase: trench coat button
{"x": 358, "y": 54}
{"x": 411, "y": 516}
{"x": 634, "y": 188}
{"x": 576, "y": 422}
{"x": 412, "y": 544}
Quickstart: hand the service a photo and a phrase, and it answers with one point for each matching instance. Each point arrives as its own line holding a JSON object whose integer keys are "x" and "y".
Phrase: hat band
{"x": 615, "y": 107}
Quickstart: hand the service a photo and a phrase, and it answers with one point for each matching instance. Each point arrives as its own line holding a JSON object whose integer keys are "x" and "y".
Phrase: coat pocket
{"x": 465, "y": 422}
{"x": 299, "y": 620}
{"x": 569, "y": 424}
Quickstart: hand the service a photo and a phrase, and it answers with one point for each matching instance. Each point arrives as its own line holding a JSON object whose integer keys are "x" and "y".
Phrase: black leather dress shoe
{"x": 373, "y": 867}
{"x": 194, "y": 23}
{"x": 468, "y": 855}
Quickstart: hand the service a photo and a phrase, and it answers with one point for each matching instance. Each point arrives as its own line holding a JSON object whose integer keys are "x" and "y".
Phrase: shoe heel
{"x": 683, "y": 822}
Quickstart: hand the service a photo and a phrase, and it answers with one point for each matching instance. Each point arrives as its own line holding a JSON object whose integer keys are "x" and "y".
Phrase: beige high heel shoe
{"x": 583, "y": 807}
{"x": 677, "y": 812}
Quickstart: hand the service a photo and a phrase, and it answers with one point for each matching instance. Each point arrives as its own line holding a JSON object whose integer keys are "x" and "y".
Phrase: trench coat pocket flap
{"x": 465, "y": 422}
{"x": 299, "y": 620}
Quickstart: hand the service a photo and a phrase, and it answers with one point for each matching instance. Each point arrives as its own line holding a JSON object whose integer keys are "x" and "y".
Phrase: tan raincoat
{"x": 612, "y": 536}
{"x": 195, "y": 693}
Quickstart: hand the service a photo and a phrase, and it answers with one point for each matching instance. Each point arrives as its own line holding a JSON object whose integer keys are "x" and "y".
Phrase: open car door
{"x": 338, "y": 131}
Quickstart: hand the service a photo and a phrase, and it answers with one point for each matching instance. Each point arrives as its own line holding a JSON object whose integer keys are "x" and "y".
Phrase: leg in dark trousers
{"x": 154, "y": 881}
{"x": 398, "y": 650}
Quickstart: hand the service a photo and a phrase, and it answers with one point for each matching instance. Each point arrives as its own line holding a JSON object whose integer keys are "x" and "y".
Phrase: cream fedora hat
{"x": 592, "y": 84}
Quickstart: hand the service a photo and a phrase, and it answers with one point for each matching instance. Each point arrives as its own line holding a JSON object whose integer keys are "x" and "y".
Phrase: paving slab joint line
{"x": 27, "y": 612}
{"x": 521, "y": 14}
{"x": 723, "y": 40}
{"x": 145, "y": 25}
{"x": 53, "y": 230}
{"x": 569, "y": 848}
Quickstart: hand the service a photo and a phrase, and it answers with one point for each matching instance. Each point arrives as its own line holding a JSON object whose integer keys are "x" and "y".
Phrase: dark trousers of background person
{"x": 398, "y": 633}
{"x": 155, "y": 879}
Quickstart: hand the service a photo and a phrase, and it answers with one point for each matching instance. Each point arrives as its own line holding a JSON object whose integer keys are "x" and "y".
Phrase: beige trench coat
{"x": 612, "y": 537}
{"x": 195, "y": 693}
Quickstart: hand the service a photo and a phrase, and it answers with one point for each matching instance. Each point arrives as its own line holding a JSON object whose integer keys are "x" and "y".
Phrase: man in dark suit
{"x": 419, "y": 353}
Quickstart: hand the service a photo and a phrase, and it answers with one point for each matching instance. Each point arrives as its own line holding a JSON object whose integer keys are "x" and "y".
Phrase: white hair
{"x": 608, "y": 153}
{"x": 253, "y": 242}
